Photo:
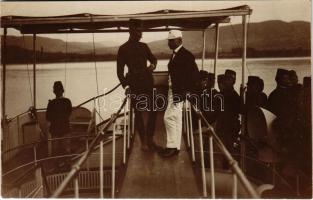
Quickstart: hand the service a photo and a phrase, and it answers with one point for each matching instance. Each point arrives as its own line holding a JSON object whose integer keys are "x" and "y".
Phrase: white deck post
{"x": 217, "y": 35}
{"x": 234, "y": 189}
{"x": 87, "y": 161}
{"x": 35, "y": 154}
{"x": 76, "y": 187}
{"x": 129, "y": 120}
{"x": 203, "y": 48}
{"x": 187, "y": 122}
{"x": 101, "y": 169}
{"x": 133, "y": 122}
{"x": 244, "y": 55}
{"x": 191, "y": 134}
{"x": 4, "y": 50}
{"x": 124, "y": 137}
{"x": 212, "y": 167}
{"x": 113, "y": 163}
{"x": 34, "y": 67}
{"x": 205, "y": 194}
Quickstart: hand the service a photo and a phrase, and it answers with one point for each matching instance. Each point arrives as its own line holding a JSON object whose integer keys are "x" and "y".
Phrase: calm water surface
{"x": 79, "y": 80}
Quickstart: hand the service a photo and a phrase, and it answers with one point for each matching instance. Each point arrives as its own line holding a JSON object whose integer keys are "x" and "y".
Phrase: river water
{"x": 80, "y": 80}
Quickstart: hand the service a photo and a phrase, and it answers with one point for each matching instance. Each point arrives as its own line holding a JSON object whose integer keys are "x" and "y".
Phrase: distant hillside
{"x": 263, "y": 36}
{"x": 269, "y": 38}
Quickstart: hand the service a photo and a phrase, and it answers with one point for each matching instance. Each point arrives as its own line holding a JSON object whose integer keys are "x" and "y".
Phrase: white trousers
{"x": 173, "y": 122}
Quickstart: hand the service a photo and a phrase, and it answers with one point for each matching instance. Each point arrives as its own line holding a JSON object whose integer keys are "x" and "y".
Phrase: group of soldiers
{"x": 290, "y": 101}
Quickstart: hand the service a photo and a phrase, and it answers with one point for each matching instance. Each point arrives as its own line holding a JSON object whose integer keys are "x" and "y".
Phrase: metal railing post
{"x": 129, "y": 119}
{"x": 187, "y": 123}
{"x": 212, "y": 166}
{"x": 133, "y": 125}
{"x": 234, "y": 191}
{"x": 233, "y": 163}
{"x": 191, "y": 134}
{"x": 113, "y": 163}
{"x": 205, "y": 194}
{"x": 133, "y": 121}
{"x": 39, "y": 181}
{"x": 124, "y": 137}
{"x": 87, "y": 161}
{"x": 19, "y": 192}
{"x": 216, "y": 47}
{"x": 76, "y": 187}
{"x": 50, "y": 144}
{"x": 101, "y": 169}
{"x": 34, "y": 68}
{"x": 35, "y": 154}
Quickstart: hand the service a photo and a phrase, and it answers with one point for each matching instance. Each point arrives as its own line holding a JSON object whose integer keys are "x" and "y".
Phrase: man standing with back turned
{"x": 139, "y": 79}
{"x": 58, "y": 113}
{"x": 183, "y": 76}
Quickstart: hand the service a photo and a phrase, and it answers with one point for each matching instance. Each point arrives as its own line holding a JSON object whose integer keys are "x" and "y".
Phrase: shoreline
{"x": 113, "y": 60}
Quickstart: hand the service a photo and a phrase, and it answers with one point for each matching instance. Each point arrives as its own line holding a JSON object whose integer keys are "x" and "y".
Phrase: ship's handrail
{"x": 76, "y": 167}
{"x": 231, "y": 161}
{"x": 96, "y": 97}
{"x": 75, "y": 107}
{"x": 38, "y": 161}
{"x": 32, "y": 144}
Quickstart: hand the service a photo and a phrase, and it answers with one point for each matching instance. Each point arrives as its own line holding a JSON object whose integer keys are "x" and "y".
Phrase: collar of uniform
{"x": 178, "y": 48}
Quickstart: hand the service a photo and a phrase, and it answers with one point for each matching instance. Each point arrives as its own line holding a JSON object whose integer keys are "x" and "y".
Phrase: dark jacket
{"x": 184, "y": 74}
{"x": 58, "y": 114}
{"x": 135, "y": 55}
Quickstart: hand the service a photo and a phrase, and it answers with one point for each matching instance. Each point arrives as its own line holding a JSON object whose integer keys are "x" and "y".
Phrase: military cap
{"x": 57, "y": 86}
{"x": 280, "y": 73}
{"x": 307, "y": 81}
{"x": 261, "y": 84}
{"x": 292, "y": 73}
{"x": 253, "y": 80}
{"x": 203, "y": 74}
{"x": 220, "y": 77}
{"x": 211, "y": 76}
{"x": 230, "y": 73}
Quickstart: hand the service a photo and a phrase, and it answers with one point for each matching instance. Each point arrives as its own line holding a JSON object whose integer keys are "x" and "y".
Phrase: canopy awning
{"x": 151, "y": 21}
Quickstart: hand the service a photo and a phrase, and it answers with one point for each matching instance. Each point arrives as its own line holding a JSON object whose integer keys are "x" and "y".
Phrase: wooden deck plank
{"x": 151, "y": 176}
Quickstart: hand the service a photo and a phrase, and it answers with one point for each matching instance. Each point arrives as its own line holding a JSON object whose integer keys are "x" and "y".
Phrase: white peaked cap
{"x": 172, "y": 34}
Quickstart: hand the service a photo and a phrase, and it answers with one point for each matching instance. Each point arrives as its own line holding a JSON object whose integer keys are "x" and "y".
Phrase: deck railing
{"x": 213, "y": 137}
{"x": 73, "y": 174}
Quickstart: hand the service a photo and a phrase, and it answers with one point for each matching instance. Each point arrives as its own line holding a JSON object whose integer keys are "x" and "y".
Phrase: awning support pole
{"x": 203, "y": 49}
{"x": 4, "y": 71}
{"x": 34, "y": 67}
{"x": 217, "y": 35}
{"x": 242, "y": 92}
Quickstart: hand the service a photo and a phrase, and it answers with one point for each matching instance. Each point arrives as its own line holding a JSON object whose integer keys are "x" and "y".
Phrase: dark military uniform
{"x": 254, "y": 96}
{"x": 228, "y": 124}
{"x": 135, "y": 55}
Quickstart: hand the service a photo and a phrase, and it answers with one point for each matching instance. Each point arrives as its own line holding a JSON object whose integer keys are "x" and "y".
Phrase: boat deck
{"x": 151, "y": 176}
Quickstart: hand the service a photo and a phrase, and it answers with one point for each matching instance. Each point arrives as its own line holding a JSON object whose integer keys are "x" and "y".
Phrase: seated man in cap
{"x": 134, "y": 55}
{"x": 58, "y": 113}
{"x": 183, "y": 78}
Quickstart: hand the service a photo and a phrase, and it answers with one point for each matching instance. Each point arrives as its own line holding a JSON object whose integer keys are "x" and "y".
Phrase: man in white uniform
{"x": 183, "y": 78}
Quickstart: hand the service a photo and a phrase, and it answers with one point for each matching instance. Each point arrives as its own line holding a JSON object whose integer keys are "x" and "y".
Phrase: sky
{"x": 263, "y": 10}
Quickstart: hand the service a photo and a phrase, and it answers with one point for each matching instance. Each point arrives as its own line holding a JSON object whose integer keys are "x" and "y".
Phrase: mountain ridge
{"x": 268, "y": 38}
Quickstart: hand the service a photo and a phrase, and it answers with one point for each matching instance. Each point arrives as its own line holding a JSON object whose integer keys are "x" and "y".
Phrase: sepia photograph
{"x": 156, "y": 99}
